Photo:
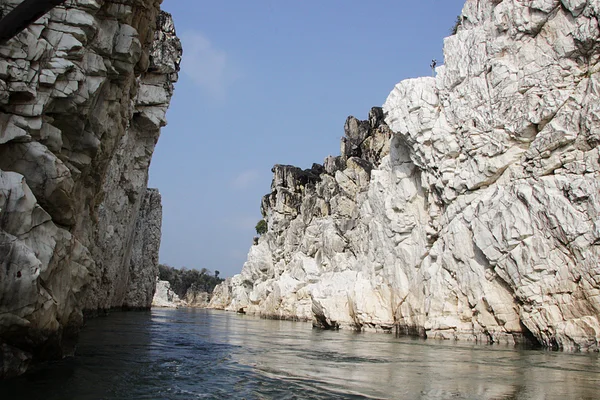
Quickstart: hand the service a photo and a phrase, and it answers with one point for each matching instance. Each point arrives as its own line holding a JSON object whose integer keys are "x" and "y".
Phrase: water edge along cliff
{"x": 83, "y": 95}
{"x": 467, "y": 207}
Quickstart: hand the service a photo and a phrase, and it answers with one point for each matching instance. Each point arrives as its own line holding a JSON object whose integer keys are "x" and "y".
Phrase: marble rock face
{"x": 83, "y": 95}
{"x": 468, "y": 207}
{"x": 165, "y": 297}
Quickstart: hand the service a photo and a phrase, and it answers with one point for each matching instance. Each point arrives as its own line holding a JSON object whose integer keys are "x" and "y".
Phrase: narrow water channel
{"x": 201, "y": 354}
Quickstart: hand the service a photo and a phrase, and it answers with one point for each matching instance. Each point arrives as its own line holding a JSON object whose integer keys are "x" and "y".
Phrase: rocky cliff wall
{"x": 196, "y": 298}
{"x": 165, "y": 297}
{"x": 467, "y": 208}
{"x": 83, "y": 94}
{"x": 143, "y": 260}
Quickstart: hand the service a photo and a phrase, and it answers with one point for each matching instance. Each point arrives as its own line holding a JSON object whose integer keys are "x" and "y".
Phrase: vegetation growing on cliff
{"x": 183, "y": 279}
{"x": 261, "y": 227}
{"x": 457, "y": 23}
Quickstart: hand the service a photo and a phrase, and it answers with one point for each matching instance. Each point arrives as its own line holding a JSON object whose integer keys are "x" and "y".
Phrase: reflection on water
{"x": 200, "y": 354}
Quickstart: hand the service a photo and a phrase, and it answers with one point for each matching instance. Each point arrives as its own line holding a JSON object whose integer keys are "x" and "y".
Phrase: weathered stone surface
{"x": 143, "y": 264}
{"x": 83, "y": 95}
{"x": 196, "y": 298}
{"x": 470, "y": 211}
{"x": 165, "y": 297}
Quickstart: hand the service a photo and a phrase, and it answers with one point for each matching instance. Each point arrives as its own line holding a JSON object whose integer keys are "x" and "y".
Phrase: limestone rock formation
{"x": 467, "y": 208}
{"x": 83, "y": 95}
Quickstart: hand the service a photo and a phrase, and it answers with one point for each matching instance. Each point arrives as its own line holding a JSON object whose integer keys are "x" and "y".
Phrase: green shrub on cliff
{"x": 261, "y": 227}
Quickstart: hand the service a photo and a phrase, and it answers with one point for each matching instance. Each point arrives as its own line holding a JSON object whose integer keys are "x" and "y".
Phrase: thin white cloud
{"x": 207, "y": 66}
{"x": 245, "y": 179}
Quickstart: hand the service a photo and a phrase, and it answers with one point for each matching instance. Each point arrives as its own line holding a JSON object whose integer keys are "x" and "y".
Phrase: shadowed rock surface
{"x": 143, "y": 262}
{"x": 466, "y": 208}
{"x": 83, "y": 95}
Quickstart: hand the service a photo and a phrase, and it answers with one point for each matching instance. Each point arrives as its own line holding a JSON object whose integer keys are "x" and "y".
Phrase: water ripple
{"x": 198, "y": 354}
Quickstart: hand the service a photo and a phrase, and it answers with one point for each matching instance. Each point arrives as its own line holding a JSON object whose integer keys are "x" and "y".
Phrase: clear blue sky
{"x": 271, "y": 82}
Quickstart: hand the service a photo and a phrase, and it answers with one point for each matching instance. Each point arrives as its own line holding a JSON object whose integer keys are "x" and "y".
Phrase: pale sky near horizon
{"x": 271, "y": 82}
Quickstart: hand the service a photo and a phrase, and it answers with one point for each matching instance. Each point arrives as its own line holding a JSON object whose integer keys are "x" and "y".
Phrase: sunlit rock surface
{"x": 165, "y": 297}
{"x": 83, "y": 94}
{"x": 467, "y": 208}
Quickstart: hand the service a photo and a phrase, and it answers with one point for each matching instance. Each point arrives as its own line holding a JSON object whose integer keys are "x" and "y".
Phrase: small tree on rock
{"x": 261, "y": 227}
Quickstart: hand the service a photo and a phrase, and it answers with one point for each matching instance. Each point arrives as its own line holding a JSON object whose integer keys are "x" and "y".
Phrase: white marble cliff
{"x": 83, "y": 95}
{"x": 467, "y": 207}
{"x": 164, "y": 297}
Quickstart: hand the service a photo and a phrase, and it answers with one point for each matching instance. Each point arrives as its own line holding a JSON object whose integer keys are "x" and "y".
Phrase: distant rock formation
{"x": 165, "y": 297}
{"x": 467, "y": 208}
{"x": 196, "y": 298}
{"x": 83, "y": 95}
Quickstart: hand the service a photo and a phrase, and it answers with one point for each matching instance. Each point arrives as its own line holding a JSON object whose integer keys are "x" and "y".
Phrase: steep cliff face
{"x": 143, "y": 261}
{"x": 83, "y": 94}
{"x": 468, "y": 209}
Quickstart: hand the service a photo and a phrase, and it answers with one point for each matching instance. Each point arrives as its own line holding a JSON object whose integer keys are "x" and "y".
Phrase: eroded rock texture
{"x": 143, "y": 261}
{"x": 470, "y": 211}
{"x": 83, "y": 94}
{"x": 165, "y": 297}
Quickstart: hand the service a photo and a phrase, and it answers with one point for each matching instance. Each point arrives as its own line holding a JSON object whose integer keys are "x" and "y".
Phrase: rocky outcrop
{"x": 83, "y": 94}
{"x": 196, "y": 298}
{"x": 143, "y": 262}
{"x": 471, "y": 210}
{"x": 165, "y": 297}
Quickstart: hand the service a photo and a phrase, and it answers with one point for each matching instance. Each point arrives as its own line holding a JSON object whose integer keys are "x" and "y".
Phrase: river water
{"x": 201, "y": 354}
